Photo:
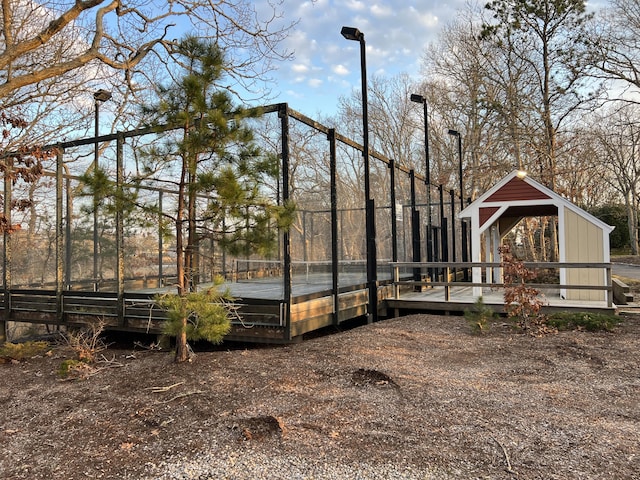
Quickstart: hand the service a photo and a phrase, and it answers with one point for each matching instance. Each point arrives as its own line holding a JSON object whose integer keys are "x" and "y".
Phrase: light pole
{"x": 465, "y": 257}
{"x": 456, "y": 133}
{"x": 351, "y": 33}
{"x": 420, "y": 99}
{"x": 98, "y": 97}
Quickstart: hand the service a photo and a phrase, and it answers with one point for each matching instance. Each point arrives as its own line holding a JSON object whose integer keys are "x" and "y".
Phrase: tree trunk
{"x": 182, "y": 349}
{"x": 192, "y": 243}
{"x": 632, "y": 222}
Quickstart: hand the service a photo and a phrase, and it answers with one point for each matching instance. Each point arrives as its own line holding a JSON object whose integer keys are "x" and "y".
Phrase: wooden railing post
{"x": 447, "y": 287}
{"x": 396, "y": 281}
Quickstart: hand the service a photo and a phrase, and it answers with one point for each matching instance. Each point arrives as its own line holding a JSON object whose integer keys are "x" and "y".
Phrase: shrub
{"x": 521, "y": 301}
{"x": 70, "y": 365}
{"x": 21, "y": 351}
{"x": 591, "y": 322}
{"x": 86, "y": 342}
{"x": 479, "y": 317}
{"x": 200, "y": 315}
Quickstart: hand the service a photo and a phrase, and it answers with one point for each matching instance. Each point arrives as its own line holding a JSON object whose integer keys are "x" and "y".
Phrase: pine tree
{"x": 218, "y": 159}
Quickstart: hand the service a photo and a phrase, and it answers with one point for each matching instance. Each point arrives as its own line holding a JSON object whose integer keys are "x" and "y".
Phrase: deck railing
{"x": 459, "y": 274}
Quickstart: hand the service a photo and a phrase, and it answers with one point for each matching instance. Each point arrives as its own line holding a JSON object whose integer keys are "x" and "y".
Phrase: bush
{"x": 591, "y": 322}
{"x": 71, "y": 366}
{"x": 521, "y": 301}
{"x": 86, "y": 342}
{"x": 207, "y": 314}
{"x": 21, "y": 351}
{"x": 615, "y": 215}
{"x": 479, "y": 317}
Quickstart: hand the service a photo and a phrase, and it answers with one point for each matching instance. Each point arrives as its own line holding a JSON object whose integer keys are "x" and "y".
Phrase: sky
{"x": 326, "y": 66}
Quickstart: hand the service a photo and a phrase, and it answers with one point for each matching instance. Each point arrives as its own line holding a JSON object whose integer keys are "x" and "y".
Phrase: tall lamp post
{"x": 465, "y": 257}
{"x": 456, "y": 133}
{"x": 351, "y": 33}
{"x": 420, "y": 99}
{"x": 99, "y": 97}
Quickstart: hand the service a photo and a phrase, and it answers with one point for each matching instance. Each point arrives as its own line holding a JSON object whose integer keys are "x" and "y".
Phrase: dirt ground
{"x": 421, "y": 392}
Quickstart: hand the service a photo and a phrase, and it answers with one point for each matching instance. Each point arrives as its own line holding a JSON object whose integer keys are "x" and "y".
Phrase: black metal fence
{"x": 73, "y": 241}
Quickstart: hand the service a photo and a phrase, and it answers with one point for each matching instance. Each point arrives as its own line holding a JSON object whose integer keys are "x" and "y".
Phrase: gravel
{"x": 251, "y": 464}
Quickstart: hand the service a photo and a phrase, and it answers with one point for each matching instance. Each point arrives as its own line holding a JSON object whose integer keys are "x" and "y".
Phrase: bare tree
{"x": 54, "y": 54}
{"x": 42, "y": 41}
{"x": 617, "y": 132}
{"x": 462, "y": 95}
{"x": 614, "y": 43}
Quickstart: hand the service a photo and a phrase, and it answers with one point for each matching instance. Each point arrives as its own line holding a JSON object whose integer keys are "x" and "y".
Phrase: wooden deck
{"x": 263, "y": 313}
{"x": 462, "y": 299}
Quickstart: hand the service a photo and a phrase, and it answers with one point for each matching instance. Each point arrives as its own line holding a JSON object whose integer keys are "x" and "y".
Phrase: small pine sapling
{"x": 480, "y": 316}
{"x": 207, "y": 313}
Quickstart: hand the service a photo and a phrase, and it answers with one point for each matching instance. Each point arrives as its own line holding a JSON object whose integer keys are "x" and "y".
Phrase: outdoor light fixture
{"x": 420, "y": 99}
{"x": 351, "y": 33}
{"x": 102, "y": 95}
{"x": 456, "y": 133}
{"x": 99, "y": 96}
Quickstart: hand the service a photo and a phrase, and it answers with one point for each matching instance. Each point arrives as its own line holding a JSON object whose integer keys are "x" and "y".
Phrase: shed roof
{"x": 518, "y": 195}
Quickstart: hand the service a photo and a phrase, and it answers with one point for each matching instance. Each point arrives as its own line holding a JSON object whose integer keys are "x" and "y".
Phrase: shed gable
{"x": 486, "y": 213}
{"x": 517, "y": 189}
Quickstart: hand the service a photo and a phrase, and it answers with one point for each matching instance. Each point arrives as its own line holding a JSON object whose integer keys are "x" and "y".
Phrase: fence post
{"x": 6, "y": 245}
{"x": 283, "y": 114}
{"x": 60, "y": 240}
{"x": 331, "y": 136}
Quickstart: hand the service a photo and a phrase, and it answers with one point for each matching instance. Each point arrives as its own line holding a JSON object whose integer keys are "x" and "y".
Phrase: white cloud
{"x": 327, "y": 66}
{"x": 381, "y": 10}
{"x": 294, "y": 94}
{"x": 355, "y": 5}
{"x": 340, "y": 70}
{"x": 424, "y": 18}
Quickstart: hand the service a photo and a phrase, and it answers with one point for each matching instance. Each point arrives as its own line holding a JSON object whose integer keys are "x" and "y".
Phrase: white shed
{"x": 581, "y": 236}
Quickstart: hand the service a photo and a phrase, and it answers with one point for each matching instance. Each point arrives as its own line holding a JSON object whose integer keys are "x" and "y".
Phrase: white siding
{"x": 584, "y": 243}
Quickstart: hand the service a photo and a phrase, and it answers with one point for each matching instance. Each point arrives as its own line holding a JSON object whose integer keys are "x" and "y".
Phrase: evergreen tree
{"x": 217, "y": 159}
